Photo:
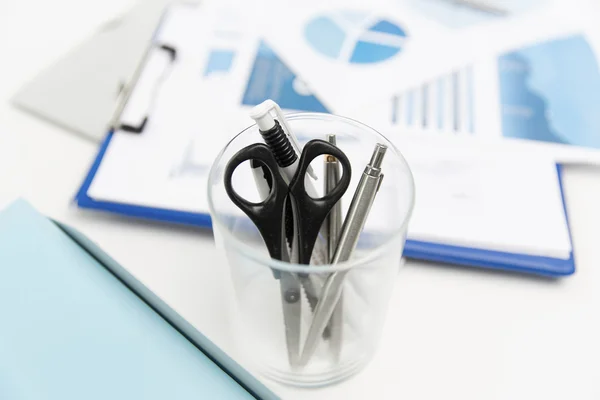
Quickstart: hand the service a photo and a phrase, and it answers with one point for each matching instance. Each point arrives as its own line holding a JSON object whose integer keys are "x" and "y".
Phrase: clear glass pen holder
{"x": 262, "y": 327}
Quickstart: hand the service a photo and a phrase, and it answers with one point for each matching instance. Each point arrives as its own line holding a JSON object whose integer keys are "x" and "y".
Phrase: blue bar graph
{"x": 470, "y": 102}
{"x": 456, "y": 101}
{"x": 410, "y": 108}
{"x": 440, "y": 102}
{"x": 424, "y": 105}
{"x": 395, "y": 108}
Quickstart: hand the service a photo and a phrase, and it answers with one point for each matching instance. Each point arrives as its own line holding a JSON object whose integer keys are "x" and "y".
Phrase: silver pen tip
{"x": 331, "y": 139}
{"x": 377, "y": 157}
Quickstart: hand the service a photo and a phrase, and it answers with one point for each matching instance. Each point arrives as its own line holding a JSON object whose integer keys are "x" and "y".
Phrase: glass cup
{"x": 352, "y": 334}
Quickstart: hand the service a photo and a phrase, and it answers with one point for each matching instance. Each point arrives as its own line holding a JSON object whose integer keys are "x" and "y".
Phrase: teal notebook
{"x": 75, "y": 325}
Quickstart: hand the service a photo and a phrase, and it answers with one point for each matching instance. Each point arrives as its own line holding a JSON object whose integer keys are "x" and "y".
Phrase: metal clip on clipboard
{"x": 136, "y": 98}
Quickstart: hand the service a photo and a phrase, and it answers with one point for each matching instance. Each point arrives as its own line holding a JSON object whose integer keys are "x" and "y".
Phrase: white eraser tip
{"x": 262, "y": 115}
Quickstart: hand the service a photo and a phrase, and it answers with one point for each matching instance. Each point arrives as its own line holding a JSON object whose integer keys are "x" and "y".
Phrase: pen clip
{"x": 272, "y": 106}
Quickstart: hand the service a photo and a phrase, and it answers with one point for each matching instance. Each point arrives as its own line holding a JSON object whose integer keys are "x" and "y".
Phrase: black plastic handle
{"x": 268, "y": 214}
{"x": 310, "y": 212}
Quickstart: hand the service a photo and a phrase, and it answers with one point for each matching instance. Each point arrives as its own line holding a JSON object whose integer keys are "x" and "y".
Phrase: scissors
{"x": 269, "y": 216}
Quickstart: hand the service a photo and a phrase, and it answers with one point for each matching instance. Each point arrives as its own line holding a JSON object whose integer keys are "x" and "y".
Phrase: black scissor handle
{"x": 311, "y": 212}
{"x": 267, "y": 214}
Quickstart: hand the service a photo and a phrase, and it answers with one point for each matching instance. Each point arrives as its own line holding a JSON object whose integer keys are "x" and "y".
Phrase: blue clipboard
{"x": 427, "y": 251}
{"x": 282, "y": 92}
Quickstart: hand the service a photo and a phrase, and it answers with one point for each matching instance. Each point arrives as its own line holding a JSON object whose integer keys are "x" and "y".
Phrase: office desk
{"x": 451, "y": 332}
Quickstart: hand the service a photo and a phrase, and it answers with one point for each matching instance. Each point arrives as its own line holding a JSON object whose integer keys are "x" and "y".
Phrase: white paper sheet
{"x": 535, "y": 79}
{"x": 476, "y": 195}
{"x": 354, "y": 51}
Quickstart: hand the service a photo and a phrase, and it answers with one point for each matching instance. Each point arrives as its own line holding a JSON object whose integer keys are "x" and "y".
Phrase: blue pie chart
{"x": 355, "y": 37}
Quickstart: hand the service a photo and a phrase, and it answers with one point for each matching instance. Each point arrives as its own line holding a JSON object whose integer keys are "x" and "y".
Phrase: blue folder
{"x": 280, "y": 87}
{"x": 76, "y": 325}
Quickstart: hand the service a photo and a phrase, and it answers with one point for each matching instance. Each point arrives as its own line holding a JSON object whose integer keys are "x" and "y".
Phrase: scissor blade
{"x": 331, "y": 294}
{"x": 310, "y": 290}
{"x": 290, "y": 298}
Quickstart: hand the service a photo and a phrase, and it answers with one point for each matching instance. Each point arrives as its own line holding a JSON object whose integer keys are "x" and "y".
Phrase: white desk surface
{"x": 451, "y": 332}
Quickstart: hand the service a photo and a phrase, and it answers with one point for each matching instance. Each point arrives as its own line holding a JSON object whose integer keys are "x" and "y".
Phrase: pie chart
{"x": 354, "y": 37}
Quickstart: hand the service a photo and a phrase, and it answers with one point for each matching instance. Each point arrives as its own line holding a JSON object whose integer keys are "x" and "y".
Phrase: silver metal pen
{"x": 351, "y": 229}
{"x": 334, "y": 227}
